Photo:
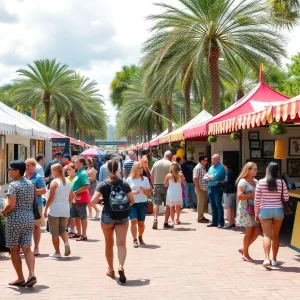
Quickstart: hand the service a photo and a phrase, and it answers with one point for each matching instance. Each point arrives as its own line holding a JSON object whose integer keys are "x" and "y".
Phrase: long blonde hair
{"x": 174, "y": 170}
{"x": 58, "y": 168}
{"x": 145, "y": 158}
{"x": 244, "y": 173}
{"x": 133, "y": 170}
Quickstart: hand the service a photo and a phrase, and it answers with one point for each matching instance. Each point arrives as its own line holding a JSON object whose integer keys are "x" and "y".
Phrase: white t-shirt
{"x": 135, "y": 185}
{"x": 60, "y": 206}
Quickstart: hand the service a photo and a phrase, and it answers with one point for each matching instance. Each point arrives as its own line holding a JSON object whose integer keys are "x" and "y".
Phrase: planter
{"x": 191, "y": 149}
{"x": 279, "y": 152}
{"x": 212, "y": 139}
{"x": 182, "y": 144}
{"x": 235, "y": 136}
{"x": 277, "y": 128}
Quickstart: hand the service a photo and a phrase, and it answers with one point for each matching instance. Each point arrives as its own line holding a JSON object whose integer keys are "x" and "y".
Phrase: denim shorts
{"x": 271, "y": 213}
{"x": 107, "y": 220}
{"x": 138, "y": 211}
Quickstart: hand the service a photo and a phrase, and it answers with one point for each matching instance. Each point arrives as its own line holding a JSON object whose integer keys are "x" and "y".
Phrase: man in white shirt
{"x": 40, "y": 165}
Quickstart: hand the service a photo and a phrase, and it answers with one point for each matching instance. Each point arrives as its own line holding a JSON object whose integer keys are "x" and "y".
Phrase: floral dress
{"x": 243, "y": 218}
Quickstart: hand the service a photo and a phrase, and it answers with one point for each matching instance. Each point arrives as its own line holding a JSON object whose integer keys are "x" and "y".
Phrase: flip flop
{"x": 81, "y": 238}
{"x": 21, "y": 283}
{"x": 74, "y": 236}
{"x": 31, "y": 282}
{"x": 111, "y": 274}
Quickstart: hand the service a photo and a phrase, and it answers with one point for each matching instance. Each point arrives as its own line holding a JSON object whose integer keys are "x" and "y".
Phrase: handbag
{"x": 287, "y": 206}
{"x": 250, "y": 209}
{"x": 35, "y": 206}
{"x": 149, "y": 207}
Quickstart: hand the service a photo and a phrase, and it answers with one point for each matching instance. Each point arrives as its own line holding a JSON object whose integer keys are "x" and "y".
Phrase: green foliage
{"x": 212, "y": 139}
{"x": 292, "y": 84}
{"x": 278, "y": 128}
{"x": 235, "y": 136}
{"x": 191, "y": 149}
{"x": 182, "y": 144}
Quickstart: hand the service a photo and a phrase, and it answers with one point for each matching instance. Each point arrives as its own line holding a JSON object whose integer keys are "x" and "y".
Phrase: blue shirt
{"x": 218, "y": 174}
{"x": 103, "y": 173}
{"x": 39, "y": 183}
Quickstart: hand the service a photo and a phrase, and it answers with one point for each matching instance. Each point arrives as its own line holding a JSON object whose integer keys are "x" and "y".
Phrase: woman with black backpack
{"x": 117, "y": 199}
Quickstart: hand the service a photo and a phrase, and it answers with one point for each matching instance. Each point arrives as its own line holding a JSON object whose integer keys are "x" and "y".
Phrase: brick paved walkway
{"x": 189, "y": 262}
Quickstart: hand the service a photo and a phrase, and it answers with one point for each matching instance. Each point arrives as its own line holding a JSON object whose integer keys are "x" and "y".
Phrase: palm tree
{"x": 120, "y": 84}
{"x": 190, "y": 41}
{"x": 285, "y": 13}
{"x": 45, "y": 82}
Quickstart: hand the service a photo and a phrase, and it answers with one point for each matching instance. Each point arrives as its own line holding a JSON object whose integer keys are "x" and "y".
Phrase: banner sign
{"x": 60, "y": 145}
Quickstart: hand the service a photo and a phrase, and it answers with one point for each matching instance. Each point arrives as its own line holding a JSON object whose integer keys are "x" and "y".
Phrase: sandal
{"x": 20, "y": 283}
{"x": 74, "y": 236}
{"x": 111, "y": 274}
{"x": 31, "y": 281}
{"x": 122, "y": 278}
{"x": 177, "y": 222}
{"x": 81, "y": 238}
{"x": 135, "y": 244}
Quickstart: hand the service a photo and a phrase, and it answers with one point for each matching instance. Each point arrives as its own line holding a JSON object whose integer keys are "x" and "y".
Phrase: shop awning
{"x": 287, "y": 111}
{"x": 178, "y": 134}
{"x": 196, "y": 131}
{"x": 155, "y": 141}
{"x": 140, "y": 146}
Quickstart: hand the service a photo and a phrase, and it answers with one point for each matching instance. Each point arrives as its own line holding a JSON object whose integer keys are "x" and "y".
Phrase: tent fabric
{"x": 155, "y": 141}
{"x": 178, "y": 134}
{"x": 287, "y": 110}
{"x": 14, "y": 122}
{"x": 258, "y": 100}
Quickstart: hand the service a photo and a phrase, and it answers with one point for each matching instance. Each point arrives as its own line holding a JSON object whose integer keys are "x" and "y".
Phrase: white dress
{"x": 174, "y": 193}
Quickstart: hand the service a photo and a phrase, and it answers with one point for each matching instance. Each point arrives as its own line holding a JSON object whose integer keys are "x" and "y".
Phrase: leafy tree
{"x": 189, "y": 41}
{"x": 292, "y": 84}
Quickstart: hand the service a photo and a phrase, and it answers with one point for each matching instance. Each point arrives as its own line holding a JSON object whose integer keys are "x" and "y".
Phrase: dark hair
{"x": 93, "y": 163}
{"x": 39, "y": 157}
{"x": 18, "y": 165}
{"x": 113, "y": 167}
{"x": 57, "y": 154}
{"x": 227, "y": 163}
{"x": 107, "y": 157}
{"x": 178, "y": 159}
{"x": 202, "y": 157}
{"x": 68, "y": 156}
{"x": 143, "y": 152}
{"x": 272, "y": 175}
{"x": 82, "y": 160}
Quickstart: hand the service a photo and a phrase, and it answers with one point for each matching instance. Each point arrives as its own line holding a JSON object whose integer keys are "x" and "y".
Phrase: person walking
{"x": 269, "y": 194}
{"x": 40, "y": 163}
{"x": 71, "y": 174}
{"x": 141, "y": 189}
{"x": 20, "y": 222}
{"x": 201, "y": 187}
{"x": 158, "y": 174}
{"x": 189, "y": 189}
{"x": 246, "y": 184}
{"x": 229, "y": 194}
{"x": 173, "y": 182}
{"x": 40, "y": 189}
{"x": 92, "y": 172}
{"x": 103, "y": 172}
{"x": 80, "y": 188}
{"x": 112, "y": 226}
{"x": 128, "y": 164}
{"x": 59, "y": 204}
{"x": 214, "y": 176}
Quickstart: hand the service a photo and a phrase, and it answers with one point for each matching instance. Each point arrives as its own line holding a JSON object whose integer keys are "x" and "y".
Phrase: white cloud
{"x": 93, "y": 37}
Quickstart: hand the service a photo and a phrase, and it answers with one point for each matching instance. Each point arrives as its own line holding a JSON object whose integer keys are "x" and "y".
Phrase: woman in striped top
{"x": 270, "y": 191}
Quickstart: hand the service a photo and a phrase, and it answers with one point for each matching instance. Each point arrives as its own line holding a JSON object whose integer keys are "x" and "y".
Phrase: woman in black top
{"x": 110, "y": 226}
{"x": 229, "y": 194}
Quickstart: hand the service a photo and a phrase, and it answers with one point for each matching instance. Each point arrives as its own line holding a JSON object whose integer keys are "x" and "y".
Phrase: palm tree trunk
{"x": 67, "y": 119}
{"x": 149, "y": 132}
{"x": 73, "y": 124}
{"x": 33, "y": 113}
{"x": 158, "y": 123}
{"x": 213, "y": 61}
{"x": 46, "y": 101}
{"x": 58, "y": 121}
{"x": 240, "y": 95}
{"x": 187, "y": 84}
{"x": 169, "y": 114}
{"x": 81, "y": 135}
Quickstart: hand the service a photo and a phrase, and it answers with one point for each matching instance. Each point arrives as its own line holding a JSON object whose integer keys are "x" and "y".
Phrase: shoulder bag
{"x": 287, "y": 206}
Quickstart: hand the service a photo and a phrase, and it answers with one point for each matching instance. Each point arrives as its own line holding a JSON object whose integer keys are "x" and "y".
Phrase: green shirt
{"x": 81, "y": 179}
{"x": 152, "y": 161}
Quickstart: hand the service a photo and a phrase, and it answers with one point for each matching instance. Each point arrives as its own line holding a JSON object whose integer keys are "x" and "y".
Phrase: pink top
{"x": 266, "y": 199}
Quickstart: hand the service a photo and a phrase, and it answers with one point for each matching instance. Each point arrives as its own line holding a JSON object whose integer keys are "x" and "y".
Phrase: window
{"x": 37, "y": 147}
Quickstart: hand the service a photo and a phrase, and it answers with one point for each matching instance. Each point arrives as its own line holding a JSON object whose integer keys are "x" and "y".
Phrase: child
{"x": 173, "y": 181}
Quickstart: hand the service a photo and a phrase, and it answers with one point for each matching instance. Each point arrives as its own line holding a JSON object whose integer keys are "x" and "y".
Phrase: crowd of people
{"x": 76, "y": 186}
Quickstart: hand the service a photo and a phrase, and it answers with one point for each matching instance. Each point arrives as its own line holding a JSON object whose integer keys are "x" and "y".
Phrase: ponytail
{"x": 113, "y": 167}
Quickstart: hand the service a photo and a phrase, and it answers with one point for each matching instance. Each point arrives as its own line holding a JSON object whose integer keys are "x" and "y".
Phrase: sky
{"x": 95, "y": 37}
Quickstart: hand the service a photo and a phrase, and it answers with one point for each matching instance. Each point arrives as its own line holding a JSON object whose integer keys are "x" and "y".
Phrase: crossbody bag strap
{"x": 282, "y": 191}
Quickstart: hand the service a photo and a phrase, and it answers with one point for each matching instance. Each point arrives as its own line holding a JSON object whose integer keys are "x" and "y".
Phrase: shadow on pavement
{"x": 184, "y": 229}
{"x": 68, "y": 258}
{"x": 287, "y": 269}
{"x": 91, "y": 241}
{"x": 135, "y": 282}
{"x": 148, "y": 246}
{"x": 23, "y": 290}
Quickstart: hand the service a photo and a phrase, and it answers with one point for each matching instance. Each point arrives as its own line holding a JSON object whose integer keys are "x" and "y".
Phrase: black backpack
{"x": 118, "y": 201}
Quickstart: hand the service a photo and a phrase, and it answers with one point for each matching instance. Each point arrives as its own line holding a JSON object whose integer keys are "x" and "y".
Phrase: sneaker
{"x": 135, "y": 244}
{"x": 154, "y": 226}
{"x": 55, "y": 255}
{"x": 274, "y": 263}
{"x": 266, "y": 263}
{"x": 71, "y": 231}
{"x": 67, "y": 249}
{"x": 167, "y": 226}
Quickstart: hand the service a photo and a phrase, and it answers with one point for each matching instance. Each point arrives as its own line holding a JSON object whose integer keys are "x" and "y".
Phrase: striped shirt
{"x": 267, "y": 199}
{"x": 127, "y": 166}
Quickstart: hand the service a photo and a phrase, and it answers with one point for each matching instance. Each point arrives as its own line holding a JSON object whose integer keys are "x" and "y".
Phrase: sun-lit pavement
{"x": 189, "y": 262}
